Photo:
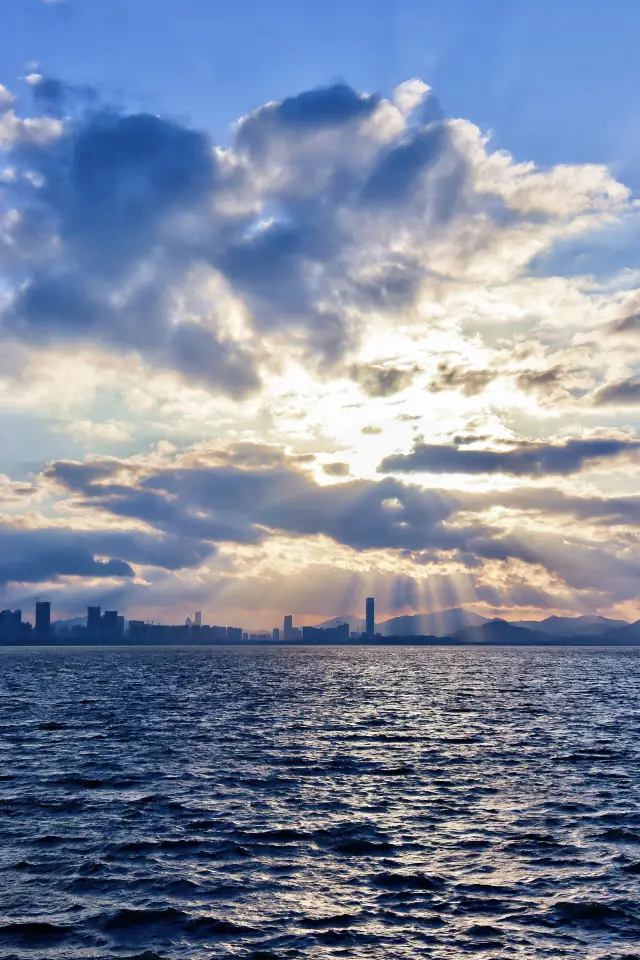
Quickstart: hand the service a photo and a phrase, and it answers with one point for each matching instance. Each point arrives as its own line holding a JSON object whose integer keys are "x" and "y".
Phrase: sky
{"x": 302, "y": 303}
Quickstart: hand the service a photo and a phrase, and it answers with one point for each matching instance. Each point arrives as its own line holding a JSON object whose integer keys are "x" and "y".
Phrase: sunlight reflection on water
{"x": 365, "y": 802}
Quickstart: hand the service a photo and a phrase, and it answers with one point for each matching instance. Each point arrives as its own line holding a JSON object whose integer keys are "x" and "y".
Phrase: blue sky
{"x": 555, "y": 80}
{"x": 302, "y": 303}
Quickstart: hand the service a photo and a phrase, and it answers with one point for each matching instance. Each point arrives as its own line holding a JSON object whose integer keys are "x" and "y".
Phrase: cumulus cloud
{"x": 469, "y": 382}
{"x": 246, "y": 505}
{"x": 379, "y": 381}
{"x": 543, "y": 380}
{"x": 117, "y": 192}
{"x": 16, "y": 131}
{"x": 621, "y": 393}
{"x": 550, "y": 502}
{"x": 525, "y": 458}
{"x": 336, "y": 469}
{"x": 325, "y": 203}
{"x": 32, "y": 555}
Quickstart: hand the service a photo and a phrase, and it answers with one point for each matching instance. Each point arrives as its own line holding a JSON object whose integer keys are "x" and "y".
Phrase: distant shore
{"x": 589, "y": 641}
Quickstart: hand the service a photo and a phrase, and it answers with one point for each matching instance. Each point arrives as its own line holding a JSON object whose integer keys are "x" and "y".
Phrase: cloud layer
{"x": 238, "y": 353}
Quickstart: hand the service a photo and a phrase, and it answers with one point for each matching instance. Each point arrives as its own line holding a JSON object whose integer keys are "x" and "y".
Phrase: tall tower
{"x": 94, "y": 621}
{"x": 43, "y": 618}
{"x": 371, "y": 617}
{"x": 110, "y": 626}
{"x": 288, "y": 627}
{"x": 198, "y": 619}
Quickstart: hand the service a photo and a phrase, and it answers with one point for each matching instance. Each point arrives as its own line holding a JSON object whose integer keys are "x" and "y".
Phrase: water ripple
{"x": 177, "y": 804}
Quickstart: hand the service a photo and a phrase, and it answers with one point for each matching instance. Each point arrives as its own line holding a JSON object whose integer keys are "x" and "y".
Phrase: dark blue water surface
{"x": 319, "y": 802}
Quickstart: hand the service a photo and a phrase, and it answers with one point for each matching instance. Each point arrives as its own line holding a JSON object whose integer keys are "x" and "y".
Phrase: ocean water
{"x": 319, "y": 802}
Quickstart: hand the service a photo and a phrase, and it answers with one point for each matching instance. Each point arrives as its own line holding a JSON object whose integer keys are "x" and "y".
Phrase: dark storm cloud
{"x": 112, "y": 180}
{"x": 392, "y": 287}
{"x": 35, "y": 555}
{"x": 248, "y": 505}
{"x": 117, "y": 191}
{"x": 621, "y": 393}
{"x": 398, "y": 173}
{"x": 318, "y": 109}
{"x": 274, "y": 270}
{"x": 378, "y": 381}
{"x": 193, "y": 505}
{"x": 120, "y": 209}
{"x": 526, "y": 458}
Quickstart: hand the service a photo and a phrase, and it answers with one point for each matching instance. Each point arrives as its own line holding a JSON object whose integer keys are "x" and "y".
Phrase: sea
{"x": 319, "y": 802}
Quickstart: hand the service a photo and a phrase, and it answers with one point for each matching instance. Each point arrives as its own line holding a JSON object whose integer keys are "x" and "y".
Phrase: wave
{"x": 333, "y": 920}
{"x": 409, "y": 881}
{"x": 35, "y": 931}
{"x": 127, "y": 917}
{"x": 595, "y": 913}
{"x": 356, "y": 847}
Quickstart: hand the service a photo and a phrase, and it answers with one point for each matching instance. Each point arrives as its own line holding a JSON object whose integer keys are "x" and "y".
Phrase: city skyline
{"x": 457, "y": 626}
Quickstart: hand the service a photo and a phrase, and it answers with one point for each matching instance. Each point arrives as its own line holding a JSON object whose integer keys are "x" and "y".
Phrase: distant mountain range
{"x": 61, "y": 626}
{"x": 443, "y": 623}
{"x": 572, "y": 626}
{"x": 468, "y": 627}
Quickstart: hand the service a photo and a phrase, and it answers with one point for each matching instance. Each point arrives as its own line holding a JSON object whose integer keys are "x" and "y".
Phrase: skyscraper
{"x": 110, "y": 626}
{"x": 288, "y": 627}
{"x": 93, "y": 620}
{"x": 371, "y": 619}
{"x": 43, "y": 618}
{"x": 198, "y": 619}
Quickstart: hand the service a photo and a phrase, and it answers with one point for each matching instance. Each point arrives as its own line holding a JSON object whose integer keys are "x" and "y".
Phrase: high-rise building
{"x": 136, "y": 629}
{"x": 288, "y": 627}
{"x": 43, "y": 618}
{"x": 276, "y": 633}
{"x": 11, "y": 627}
{"x": 371, "y": 618}
{"x": 93, "y": 620}
{"x": 198, "y": 619}
{"x": 110, "y": 625}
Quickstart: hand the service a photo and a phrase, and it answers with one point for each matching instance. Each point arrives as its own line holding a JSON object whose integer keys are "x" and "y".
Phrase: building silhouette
{"x": 112, "y": 626}
{"x": 371, "y": 618}
{"x": 276, "y": 633}
{"x": 290, "y": 632}
{"x": 93, "y": 620}
{"x": 12, "y": 628}
{"x": 43, "y": 618}
{"x": 198, "y": 620}
{"x": 337, "y": 634}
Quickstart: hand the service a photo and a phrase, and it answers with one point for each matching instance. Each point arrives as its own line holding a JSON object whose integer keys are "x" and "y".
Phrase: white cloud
{"x": 89, "y": 432}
